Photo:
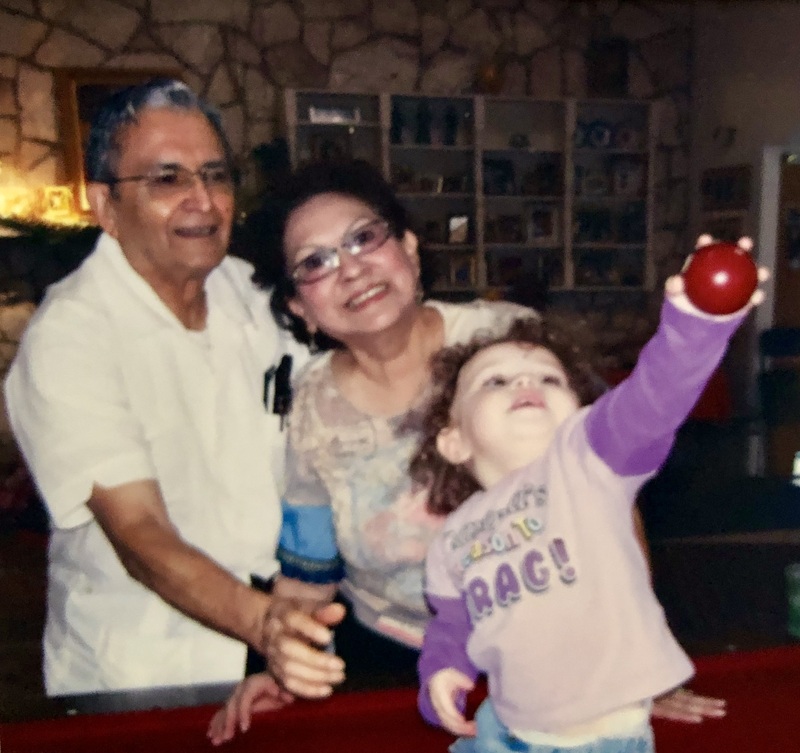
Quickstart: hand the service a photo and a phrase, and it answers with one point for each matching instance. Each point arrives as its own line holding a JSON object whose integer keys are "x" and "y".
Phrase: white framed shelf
{"x": 557, "y": 189}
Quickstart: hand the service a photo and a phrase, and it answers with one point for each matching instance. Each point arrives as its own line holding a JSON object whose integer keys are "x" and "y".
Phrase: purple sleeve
{"x": 632, "y": 427}
{"x": 445, "y": 645}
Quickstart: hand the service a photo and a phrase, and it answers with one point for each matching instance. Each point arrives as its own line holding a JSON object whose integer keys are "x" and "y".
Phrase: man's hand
{"x": 294, "y": 642}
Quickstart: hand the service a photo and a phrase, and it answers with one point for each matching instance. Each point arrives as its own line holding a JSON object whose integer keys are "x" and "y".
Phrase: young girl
{"x": 536, "y": 579}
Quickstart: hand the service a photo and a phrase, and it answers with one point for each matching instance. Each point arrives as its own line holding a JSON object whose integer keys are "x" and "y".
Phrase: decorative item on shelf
{"x": 498, "y": 177}
{"x": 429, "y": 183}
{"x": 594, "y": 181}
{"x": 627, "y": 177}
{"x": 458, "y": 228}
{"x": 334, "y": 115}
{"x": 424, "y": 120}
{"x": 462, "y": 270}
{"x": 542, "y": 224}
{"x": 628, "y": 136}
{"x": 599, "y": 134}
{"x": 49, "y": 205}
{"x": 55, "y": 204}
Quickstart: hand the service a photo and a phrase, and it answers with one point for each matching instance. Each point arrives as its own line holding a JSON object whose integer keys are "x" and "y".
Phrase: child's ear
{"x": 452, "y": 447}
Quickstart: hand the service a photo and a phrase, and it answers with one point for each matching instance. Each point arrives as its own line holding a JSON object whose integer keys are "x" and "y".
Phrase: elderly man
{"x": 142, "y": 400}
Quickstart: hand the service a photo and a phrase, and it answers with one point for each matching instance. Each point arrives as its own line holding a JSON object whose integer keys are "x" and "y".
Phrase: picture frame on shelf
{"x": 57, "y": 202}
{"x": 429, "y": 183}
{"x": 462, "y": 270}
{"x": 458, "y": 228}
{"x": 542, "y": 224}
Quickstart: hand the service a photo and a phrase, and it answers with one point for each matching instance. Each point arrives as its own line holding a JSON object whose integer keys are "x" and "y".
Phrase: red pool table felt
{"x": 762, "y": 689}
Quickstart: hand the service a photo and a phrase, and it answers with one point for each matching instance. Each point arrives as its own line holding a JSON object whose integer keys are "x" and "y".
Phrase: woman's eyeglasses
{"x": 172, "y": 181}
{"x": 323, "y": 261}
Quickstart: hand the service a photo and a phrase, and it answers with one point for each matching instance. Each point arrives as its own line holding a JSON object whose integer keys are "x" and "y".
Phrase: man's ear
{"x": 452, "y": 447}
{"x": 103, "y": 207}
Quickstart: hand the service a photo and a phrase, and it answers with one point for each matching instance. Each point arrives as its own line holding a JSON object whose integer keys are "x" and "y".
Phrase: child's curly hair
{"x": 449, "y": 485}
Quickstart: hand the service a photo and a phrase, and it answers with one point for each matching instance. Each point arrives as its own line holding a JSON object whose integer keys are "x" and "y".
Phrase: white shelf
{"x": 523, "y": 164}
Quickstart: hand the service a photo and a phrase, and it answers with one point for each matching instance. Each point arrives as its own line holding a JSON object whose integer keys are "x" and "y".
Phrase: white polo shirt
{"x": 108, "y": 387}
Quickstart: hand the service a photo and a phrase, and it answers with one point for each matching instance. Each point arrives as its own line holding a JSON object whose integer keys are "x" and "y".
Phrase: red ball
{"x": 720, "y": 278}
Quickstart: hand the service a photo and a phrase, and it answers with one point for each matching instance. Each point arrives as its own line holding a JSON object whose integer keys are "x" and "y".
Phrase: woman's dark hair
{"x": 355, "y": 179}
{"x": 449, "y": 485}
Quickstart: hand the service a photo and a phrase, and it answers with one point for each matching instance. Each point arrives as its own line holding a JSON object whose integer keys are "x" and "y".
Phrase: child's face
{"x": 509, "y": 401}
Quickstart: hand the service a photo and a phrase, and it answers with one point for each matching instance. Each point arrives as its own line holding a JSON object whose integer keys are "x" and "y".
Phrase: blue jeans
{"x": 494, "y": 737}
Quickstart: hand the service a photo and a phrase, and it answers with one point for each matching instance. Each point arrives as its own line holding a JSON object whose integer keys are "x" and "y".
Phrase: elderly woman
{"x": 348, "y": 279}
{"x": 351, "y": 278}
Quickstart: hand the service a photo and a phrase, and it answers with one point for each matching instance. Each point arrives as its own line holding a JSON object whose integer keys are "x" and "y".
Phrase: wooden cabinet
{"x": 503, "y": 190}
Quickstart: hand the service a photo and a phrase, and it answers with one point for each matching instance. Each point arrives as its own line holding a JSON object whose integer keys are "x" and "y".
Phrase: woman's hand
{"x": 253, "y": 695}
{"x": 292, "y": 641}
{"x": 683, "y": 705}
{"x": 445, "y": 687}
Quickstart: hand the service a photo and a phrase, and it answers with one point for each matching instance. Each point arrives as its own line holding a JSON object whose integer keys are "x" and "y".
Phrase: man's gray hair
{"x": 123, "y": 107}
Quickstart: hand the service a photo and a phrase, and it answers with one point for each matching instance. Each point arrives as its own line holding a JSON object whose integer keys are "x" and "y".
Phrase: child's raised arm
{"x": 632, "y": 427}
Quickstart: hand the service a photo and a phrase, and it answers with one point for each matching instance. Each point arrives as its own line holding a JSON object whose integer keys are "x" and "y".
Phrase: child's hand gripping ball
{"x": 720, "y": 277}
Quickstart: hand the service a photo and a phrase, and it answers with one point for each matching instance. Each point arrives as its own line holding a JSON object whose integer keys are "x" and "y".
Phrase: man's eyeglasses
{"x": 323, "y": 261}
{"x": 171, "y": 181}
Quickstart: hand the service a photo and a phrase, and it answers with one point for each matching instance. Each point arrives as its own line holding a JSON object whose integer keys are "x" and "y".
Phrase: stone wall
{"x": 240, "y": 53}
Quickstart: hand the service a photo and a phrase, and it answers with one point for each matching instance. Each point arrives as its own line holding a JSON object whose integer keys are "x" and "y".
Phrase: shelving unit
{"x": 503, "y": 189}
